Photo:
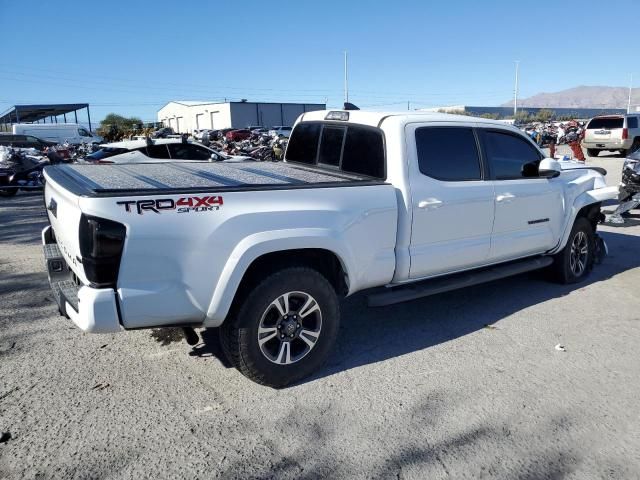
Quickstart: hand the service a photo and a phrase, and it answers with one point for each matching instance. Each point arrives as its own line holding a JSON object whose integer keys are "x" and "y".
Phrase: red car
{"x": 237, "y": 135}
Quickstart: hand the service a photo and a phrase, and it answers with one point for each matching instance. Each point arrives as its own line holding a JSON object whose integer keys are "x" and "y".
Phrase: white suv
{"x": 612, "y": 132}
{"x": 280, "y": 131}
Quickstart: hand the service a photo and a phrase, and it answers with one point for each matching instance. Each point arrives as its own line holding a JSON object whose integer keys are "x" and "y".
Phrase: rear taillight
{"x": 101, "y": 244}
{"x": 625, "y": 133}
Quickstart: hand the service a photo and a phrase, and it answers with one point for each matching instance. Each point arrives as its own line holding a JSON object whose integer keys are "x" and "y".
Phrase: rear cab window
{"x": 632, "y": 122}
{"x": 351, "y": 148}
{"x": 605, "y": 123}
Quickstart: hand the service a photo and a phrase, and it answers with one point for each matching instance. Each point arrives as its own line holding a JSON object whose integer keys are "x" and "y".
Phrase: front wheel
{"x": 575, "y": 261}
{"x": 284, "y": 328}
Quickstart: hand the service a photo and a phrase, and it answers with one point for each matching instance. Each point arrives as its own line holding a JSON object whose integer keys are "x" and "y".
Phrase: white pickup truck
{"x": 403, "y": 205}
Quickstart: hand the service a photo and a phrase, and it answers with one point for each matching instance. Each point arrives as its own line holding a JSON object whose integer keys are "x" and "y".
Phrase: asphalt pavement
{"x": 467, "y": 384}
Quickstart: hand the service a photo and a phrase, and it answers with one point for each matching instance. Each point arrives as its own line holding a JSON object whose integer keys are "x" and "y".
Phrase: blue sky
{"x": 132, "y": 57}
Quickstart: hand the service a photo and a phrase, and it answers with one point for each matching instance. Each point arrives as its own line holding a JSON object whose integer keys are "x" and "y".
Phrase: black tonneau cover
{"x": 145, "y": 178}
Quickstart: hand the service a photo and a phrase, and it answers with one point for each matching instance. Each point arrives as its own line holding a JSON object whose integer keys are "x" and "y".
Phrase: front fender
{"x": 256, "y": 245}
{"x": 589, "y": 197}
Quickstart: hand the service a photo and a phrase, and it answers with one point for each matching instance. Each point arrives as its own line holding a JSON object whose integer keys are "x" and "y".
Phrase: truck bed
{"x": 142, "y": 179}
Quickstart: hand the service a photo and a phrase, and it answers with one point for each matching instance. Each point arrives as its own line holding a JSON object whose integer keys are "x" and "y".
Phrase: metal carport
{"x": 40, "y": 113}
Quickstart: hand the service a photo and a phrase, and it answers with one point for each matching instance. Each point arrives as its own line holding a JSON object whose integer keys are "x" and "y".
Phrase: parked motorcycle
{"x": 19, "y": 171}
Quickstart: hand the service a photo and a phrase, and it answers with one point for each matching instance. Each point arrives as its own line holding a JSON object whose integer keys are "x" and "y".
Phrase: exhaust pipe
{"x": 191, "y": 336}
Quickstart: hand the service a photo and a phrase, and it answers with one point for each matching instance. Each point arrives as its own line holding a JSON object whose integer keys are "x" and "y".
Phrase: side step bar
{"x": 453, "y": 282}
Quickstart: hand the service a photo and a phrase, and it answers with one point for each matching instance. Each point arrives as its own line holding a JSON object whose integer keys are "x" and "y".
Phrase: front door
{"x": 528, "y": 209}
{"x": 452, "y": 203}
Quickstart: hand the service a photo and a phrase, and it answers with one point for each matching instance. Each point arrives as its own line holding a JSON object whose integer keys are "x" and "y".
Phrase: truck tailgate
{"x": 64, "y": 214}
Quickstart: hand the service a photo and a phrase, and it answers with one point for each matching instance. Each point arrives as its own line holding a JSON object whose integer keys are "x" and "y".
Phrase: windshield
{"x": 634, "y": 155}
{"x": 606, "y": 122}
{"x": 106, "y": 153}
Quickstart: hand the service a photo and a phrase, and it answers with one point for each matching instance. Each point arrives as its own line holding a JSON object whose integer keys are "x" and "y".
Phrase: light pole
{"x": 515, "y": 91}
{"x": 346, "y": 79}
{"x": 630, "y": 88}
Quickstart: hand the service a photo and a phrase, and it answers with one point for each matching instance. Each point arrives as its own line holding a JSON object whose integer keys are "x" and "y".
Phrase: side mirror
{"x": 549, "y": 168}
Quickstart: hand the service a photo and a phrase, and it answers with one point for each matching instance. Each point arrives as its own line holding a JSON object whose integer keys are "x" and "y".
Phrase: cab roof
{"x": 374, "y": 119}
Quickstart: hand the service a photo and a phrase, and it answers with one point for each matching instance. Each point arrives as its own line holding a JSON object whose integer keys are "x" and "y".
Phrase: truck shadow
{"x": 371, "y": 335}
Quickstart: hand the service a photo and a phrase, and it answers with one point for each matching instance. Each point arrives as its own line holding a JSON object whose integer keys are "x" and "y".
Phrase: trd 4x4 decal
{"x": 181, "y": 205}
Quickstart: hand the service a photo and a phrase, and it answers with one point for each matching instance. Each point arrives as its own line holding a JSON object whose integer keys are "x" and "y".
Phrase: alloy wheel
{"x": 579, "y": 253}
{"x": 289, "y": 328}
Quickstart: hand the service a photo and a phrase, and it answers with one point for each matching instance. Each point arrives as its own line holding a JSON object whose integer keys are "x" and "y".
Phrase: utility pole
{"x": 630, "y": 87}
{"x": 346, "y": 79}
{"x": 515, "y": 91}
{"x": 408, "y": 105}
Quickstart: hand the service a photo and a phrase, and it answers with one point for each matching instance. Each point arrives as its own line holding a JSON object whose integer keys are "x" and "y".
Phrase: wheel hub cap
{"x": 289, "y": 328}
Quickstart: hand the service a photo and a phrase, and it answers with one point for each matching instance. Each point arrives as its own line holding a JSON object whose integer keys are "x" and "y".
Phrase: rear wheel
{"x": 575, "y": 261}
{"x": 592, "y": 152}
{"x": 285, "y": 327}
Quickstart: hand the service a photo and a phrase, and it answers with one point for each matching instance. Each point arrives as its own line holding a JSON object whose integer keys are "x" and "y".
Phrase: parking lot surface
{"x": 467, "y": 384}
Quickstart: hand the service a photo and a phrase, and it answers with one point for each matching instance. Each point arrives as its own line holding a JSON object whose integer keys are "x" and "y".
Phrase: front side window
{"x": 156, "y": 151}
{"x": 448, "y": 153}
{"x": 83, "y": 133}
{"x": 510, "y": 157}
{"x": 186, "y": 151}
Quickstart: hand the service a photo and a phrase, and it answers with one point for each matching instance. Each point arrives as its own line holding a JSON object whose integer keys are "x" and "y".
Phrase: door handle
{"x": 507, "y": 197}
{"x": 430, "y": 203}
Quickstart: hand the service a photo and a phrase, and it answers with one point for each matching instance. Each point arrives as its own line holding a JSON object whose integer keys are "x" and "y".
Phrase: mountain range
{"x": 582, "y": 97}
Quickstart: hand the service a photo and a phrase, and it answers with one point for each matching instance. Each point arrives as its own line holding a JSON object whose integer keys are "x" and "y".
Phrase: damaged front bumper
{"x": 93, "y": 310}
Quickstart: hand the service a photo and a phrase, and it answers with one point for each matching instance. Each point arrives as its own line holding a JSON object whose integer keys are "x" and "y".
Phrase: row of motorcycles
{"x": 262, "y": 148}
{"x": 558, "y": 133}
{"x": 22, "y": 169}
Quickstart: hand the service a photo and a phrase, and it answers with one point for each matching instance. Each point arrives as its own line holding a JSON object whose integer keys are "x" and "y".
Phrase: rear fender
{"x": 253, "y": 247}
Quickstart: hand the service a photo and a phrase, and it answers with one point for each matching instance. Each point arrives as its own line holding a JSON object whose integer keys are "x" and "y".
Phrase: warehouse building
{"x": 187, "y": 116}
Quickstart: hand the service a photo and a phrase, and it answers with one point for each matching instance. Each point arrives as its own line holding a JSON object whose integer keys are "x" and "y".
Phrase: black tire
{"x": 565, "y": 267}
{"x": 10, "y": 192}
{"x": 239, "y": 333}
{"x": 592, "y": 152}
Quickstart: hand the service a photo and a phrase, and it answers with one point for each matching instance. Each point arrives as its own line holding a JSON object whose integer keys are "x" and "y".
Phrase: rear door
{"x": 452, "y": 203}
{"x": 528, "y": 209}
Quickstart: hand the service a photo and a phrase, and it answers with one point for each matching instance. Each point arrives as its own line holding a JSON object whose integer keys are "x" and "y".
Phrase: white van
{"x": 57, "y": 132}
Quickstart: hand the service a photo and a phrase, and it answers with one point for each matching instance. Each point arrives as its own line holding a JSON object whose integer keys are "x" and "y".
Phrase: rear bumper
{"x": 93, "y": 310}
{"x": 608, "y": 144}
